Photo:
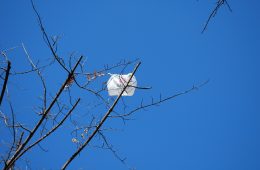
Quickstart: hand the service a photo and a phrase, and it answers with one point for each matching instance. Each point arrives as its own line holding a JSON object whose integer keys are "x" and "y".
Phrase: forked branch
{"x": 22, "y": 146}
{"x": 75, "y": 154}
{"x": 51, "y": 131}
{"x": 219, "y": 4}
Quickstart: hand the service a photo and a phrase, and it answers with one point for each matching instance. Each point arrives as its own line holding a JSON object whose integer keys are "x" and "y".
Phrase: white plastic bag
{"x": 117, "y": 82}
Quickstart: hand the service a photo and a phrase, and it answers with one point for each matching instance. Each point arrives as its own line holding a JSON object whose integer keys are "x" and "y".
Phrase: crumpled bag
{"x": 117, "y": 82}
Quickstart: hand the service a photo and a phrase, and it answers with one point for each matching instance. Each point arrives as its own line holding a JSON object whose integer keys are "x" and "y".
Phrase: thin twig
{"x": 48, "y": 42}
{"x": 110, "y": 147}
{"x": 214, "y": 12}
{"x": 160, "y": 100}
{"x": 40, "y": 75}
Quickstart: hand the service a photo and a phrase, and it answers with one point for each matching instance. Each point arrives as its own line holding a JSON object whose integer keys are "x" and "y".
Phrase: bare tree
{"x": 55, "y": 110}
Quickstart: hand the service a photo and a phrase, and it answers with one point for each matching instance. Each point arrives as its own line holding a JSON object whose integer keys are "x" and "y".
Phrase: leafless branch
{"x": 22, "y": 146}
{"x": 100, "y": 124}
{"x": 110, "y": 147}
{"x": 39, "y": 74}
{"x": 47, "y": 40}
{"x": 50, "y": 132}
{"x": 12, "y": 126}
{"x": 219, "y": 4}
{"x": 5, "y": 81}
{"x": 157, "y": 102}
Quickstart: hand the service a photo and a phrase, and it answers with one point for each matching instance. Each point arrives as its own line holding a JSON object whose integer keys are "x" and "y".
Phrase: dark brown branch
{"x": 100, "y": 73}
{"x": 5, "y": 81}
{"x": 159, "y": 101}
{"x": 91, "y": 91}
{"x": 100, "y": 124}
{"x": 141, "y": 88}
{"x": 24, "y": 128}
{"x": 22, "y": 146}
{"x": 214, "y": 12}
{"x": 51, "y": 131}
{"x": 110, "y": 147}
{"x": 46, "y": 37}
{"x": 40, "y": 76}
{"x": 12, "y": 126}
{"x": 20, "y": 140}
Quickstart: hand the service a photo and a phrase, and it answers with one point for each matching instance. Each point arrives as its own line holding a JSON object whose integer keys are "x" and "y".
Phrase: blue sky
{"x": 216, "y": 127}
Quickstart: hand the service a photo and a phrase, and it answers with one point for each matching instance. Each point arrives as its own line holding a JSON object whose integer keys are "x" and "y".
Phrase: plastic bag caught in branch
{"x": 117, "y": 82}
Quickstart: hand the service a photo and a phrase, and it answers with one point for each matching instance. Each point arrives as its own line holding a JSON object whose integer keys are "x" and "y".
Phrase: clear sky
{"x": 214, "y": 128}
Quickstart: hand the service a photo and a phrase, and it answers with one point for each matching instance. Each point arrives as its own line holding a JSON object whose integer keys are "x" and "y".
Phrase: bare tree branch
{"x": 22, "y": 146}
{"x": 100, "y": 124}
{"x": 159, "y": 101}
{"x": 46, "y": 38}
{"x": 50, "y": 132}
{"x": 5, "y": 81}
{"x": 219, "y": 4}
{"x": 110, "y": 147}
{"x": 40, "y": 75}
